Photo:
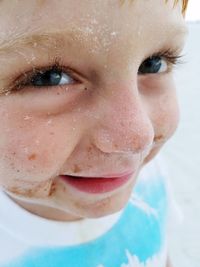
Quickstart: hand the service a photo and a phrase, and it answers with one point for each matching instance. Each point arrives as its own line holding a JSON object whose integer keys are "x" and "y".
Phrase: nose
{"x": 125, "y": 125}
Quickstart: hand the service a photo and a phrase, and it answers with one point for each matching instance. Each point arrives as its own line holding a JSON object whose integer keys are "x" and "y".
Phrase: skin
{"x": 109, "y": 121}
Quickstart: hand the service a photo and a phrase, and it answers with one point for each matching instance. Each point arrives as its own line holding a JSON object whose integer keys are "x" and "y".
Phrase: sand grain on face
{"x": 32, "y": 156}
{"x": 76, "y": 169}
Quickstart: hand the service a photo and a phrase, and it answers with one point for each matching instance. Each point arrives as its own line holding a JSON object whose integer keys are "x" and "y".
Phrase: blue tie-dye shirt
{"x": 135, "y": 237}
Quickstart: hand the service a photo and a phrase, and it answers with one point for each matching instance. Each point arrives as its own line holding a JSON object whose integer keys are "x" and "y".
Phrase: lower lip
{"x": 96, "y": 185}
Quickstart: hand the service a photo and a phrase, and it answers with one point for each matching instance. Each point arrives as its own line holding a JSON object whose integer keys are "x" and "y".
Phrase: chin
{"x": 106, "y": 206}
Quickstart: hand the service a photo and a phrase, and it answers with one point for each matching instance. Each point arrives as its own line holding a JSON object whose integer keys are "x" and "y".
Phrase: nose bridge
{"x": 125, "y": 124}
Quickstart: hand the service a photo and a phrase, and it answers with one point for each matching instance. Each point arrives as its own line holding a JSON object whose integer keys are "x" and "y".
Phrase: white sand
{"x": 182, "y": 155}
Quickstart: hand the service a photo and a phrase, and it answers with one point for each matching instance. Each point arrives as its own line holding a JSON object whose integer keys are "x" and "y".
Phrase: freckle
{"x": 51, "y": 133}
{"x": 58, "y": 93}
{"x": 115, "y": 146}
{"x": 76, "y": 168}
{"x": 41, "y": 2}
{"x": 32, "y": 156}
{"x": 52, "y": 189}
{"x": 29, "y": 193}
{"x": 89, "y": 149}
{"x": 13, "y": 190}
{"x": 158, "y": 138}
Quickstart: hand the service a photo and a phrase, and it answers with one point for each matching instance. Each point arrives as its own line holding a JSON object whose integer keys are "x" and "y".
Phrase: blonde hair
{"x": 184, "y": 4}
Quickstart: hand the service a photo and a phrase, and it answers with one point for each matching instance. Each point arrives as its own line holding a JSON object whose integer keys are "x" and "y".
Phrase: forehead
{"x": 42, "y": 14}
{"x": 100, "y": 23}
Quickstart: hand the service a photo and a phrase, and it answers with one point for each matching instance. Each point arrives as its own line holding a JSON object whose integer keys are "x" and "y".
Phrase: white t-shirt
{"x": 134, "y": 237}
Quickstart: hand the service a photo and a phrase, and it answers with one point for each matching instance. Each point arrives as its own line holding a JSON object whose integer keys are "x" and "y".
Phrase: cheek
{"x": 33, "y": 148}
{"x": 166, "y": 117}
{"x": 161, "y": 101}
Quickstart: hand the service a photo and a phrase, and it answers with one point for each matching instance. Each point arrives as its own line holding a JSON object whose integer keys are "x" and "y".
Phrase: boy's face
{"x": 102, "y": 118}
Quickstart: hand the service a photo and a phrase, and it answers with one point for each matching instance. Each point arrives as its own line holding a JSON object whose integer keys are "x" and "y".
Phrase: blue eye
{"x": 52, "y": 77}
{"x": 152, "y": 65}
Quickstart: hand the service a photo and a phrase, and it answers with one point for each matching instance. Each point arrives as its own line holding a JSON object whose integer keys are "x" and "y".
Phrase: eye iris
{"x": 47, "y": 78}
{"x": 150, "y": 65}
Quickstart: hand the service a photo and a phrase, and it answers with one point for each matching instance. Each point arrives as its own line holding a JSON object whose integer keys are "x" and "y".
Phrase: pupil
{"x": 150, "y": 65}
{"x": 48, "y": 78}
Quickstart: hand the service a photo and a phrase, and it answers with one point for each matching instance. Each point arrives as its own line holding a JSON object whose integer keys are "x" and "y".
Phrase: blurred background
{"x": 182, "y": 153}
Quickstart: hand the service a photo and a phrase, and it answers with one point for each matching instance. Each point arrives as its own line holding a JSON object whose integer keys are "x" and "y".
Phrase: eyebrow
{"x": 44, "y": 40}
{"x": 56, "y": 40}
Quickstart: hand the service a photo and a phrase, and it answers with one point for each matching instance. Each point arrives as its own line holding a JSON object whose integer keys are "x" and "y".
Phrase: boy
{"x": 87, "y": 98}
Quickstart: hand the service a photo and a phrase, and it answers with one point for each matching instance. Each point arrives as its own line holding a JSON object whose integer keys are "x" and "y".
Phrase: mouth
{"x": 96, "y": 185}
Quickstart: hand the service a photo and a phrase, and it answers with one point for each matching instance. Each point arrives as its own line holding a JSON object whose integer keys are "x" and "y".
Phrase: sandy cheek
{"x": 21, "y": 167}
{"x": 30, "y": 158}
{"x": 166, "y": 117}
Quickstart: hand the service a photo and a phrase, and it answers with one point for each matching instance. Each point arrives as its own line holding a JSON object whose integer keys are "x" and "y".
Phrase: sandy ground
{"x": 182, "y": 156}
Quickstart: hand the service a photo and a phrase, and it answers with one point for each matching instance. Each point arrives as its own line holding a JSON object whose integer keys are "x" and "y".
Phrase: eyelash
{"x": 172, "y": 58}
{"x": 23, "y": 80}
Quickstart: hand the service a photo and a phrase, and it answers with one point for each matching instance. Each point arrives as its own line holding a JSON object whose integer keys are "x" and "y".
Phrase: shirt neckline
{"x": 34, "y": 230}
